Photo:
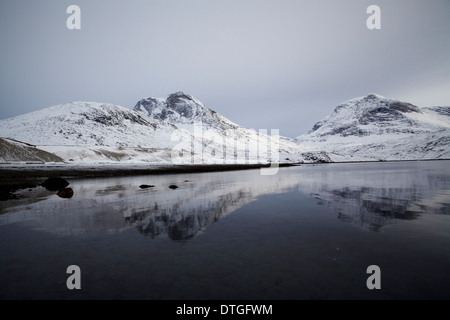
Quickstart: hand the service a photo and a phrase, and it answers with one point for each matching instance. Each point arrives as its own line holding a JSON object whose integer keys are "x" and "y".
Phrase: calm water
{"x": 309, "y": 232}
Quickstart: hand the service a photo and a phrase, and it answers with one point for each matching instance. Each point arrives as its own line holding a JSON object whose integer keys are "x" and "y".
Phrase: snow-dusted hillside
{"x": 90, "y": 132}
{"x": 186, "y": 112}
{"x": 87, "y": 124}
{"x": 181, "y": 130}
{"x": 376, "y": 128}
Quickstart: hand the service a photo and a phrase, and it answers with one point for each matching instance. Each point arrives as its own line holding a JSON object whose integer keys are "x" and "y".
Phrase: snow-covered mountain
{"x": 93, "y": 132}
{"x": 181, "y": 129}
{"x": 87, "y": 124}
{"x": 86, "y": 132}
{"x": 186, "y": 112}
{"x": 377, "y": 128}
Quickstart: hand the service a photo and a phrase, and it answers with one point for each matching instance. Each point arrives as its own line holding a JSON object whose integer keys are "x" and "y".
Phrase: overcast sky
{"x": 262, "y": 63}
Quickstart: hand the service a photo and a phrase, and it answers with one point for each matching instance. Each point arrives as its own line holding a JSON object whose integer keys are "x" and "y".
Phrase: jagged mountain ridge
{"x": 182, "y": 109}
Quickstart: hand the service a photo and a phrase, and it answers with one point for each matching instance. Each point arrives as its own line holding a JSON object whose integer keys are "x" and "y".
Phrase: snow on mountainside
{"x": 89, "y": 132}
{"x": 89, "y": 124}
{"x": 377, "y": 128}
{"x": 180, "y": 129}
{"x": 184, "y": 111}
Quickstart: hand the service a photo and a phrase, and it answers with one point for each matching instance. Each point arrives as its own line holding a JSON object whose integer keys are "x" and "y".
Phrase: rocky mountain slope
{"x": 184, "y": 110}
{"x": 91, "y": 132}
{"x": 377, "y": 128}
{"x": 15, "y": 151}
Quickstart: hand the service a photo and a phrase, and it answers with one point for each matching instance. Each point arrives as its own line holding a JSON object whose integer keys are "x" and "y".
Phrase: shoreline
{"x": 18, "y": 176}
{"x": 27, "y": 176}
{"x": 34, "y": 172}
{"x": 25, "y": 172}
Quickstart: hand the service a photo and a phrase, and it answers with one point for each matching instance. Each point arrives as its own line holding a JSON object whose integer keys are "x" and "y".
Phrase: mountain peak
{"x": 183, "y": 110}
{"x": 373, "y": 96}
{"x": 178, "y": 97}
{"x": 371, "y": 114}
{"x": 367, "y": 100}
{"x": 376, "y": 127}
{"x": 377, "y": 103}
{"x": 177, "y": 107}
{"x": 185, "y": 105}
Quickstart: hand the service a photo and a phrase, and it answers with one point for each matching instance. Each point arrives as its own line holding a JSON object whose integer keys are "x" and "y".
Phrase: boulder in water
{"x": 66, "y": 193}
{"x": 55, "y": 184}
{"x": 145, "y": 186}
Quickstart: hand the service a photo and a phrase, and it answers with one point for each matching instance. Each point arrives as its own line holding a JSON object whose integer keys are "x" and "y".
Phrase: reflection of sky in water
{"x": 370, "y": 196}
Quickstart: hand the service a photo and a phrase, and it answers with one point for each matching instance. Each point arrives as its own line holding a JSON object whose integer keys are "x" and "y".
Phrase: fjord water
{"x": 309, "y": 232}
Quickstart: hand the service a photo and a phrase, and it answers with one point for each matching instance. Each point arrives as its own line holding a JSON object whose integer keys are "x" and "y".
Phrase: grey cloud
{"x": 264, "y": 64}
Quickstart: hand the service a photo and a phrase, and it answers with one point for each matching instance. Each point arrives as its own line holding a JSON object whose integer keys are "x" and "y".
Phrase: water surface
{"x": 309, "y": 232}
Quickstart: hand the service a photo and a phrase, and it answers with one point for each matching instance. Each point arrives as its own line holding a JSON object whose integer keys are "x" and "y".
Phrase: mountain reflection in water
{"x": 368, "y": 195}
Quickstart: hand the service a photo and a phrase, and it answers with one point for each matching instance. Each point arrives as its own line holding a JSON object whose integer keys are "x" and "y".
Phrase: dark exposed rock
{"x": 144, "y": 186}
{"x": 173, "y": 187}
{"x": 66, "y": 193}
{"x": 443, "y": 111}
{"x": 317, "y": 126}
{"x": 404, "y": 107}
{"x": 149, "y": 104}
{"x": 317, "y": 157}
{"x": 347, "y": 131}
{"x": 176, "y": 101}
{"x": 115, "y": 118}
{"x": 387, "y": 111}
{"x": 380, "y": 115}
{"x": 55, "y": 184}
